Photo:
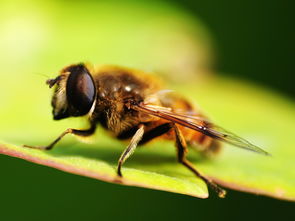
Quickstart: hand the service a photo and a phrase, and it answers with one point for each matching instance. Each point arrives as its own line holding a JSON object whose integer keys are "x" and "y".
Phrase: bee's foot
{"x": 38, "y": 147}
{"x": 221, "y": 193}
{"x": 119, "y": 173}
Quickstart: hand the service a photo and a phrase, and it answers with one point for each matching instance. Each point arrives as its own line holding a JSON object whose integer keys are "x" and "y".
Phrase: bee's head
{"x": 74, "y": 92}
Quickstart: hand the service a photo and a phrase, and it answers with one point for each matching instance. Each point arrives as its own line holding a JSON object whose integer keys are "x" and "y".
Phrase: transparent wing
{"x": 198, "y": 123}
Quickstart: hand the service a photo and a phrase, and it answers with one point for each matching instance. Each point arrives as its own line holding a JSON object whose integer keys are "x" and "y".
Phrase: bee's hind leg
{"x": 87, "y": 132}
{"x": 181, "y": 155}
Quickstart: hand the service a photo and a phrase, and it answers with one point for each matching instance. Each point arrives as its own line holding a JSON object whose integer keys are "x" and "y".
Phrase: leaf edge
{"x": 5, "y": 150}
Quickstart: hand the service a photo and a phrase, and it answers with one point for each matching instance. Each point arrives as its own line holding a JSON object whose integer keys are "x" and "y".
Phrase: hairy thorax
{"x": 115, "y": 87}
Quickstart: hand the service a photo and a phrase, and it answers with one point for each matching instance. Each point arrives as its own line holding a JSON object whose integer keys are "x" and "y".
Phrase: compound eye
{"x": 80, "y": 90}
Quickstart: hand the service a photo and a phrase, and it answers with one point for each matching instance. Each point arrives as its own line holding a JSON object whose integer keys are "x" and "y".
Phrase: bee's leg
{"x": 85, "y": 133}
{"x": 130, "y": 148}
{"x": 156, "y": 132}
{"x": 181, "y": 155}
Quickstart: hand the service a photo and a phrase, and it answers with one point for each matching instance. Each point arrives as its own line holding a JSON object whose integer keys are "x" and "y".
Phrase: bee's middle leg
{"x": 130, "y": 148}
{"x": 141, "y": 137}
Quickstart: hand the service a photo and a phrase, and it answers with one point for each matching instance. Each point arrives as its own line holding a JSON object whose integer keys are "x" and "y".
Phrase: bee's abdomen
{"x": 201, "y": 142}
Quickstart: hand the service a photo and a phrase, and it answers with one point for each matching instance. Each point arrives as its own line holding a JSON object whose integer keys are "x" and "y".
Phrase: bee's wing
{"x": 197, "y": 123}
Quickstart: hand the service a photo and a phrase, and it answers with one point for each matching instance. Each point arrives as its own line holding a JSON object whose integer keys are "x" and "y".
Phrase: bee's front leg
{"x": 87, "y": 132}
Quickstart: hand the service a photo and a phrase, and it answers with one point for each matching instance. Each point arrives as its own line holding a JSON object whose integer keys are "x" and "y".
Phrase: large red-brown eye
{"x": 80, "y": 90}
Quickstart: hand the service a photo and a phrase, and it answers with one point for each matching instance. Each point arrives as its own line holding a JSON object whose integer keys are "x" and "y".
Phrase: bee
{"x": 133, "y": 105}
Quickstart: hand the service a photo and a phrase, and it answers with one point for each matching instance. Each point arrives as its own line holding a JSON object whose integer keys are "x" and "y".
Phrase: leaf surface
{"x": 262, "y": 117}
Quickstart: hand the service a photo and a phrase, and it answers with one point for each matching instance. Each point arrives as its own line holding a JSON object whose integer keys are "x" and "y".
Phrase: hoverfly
{"x": 133, "y": 105}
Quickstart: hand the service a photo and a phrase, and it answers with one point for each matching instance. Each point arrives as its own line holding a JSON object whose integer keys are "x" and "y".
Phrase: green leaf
{"x": 262, "y": 117}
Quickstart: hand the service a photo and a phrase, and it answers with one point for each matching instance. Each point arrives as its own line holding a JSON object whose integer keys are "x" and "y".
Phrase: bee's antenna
{"x": 44, "y": 75}
{"x": 52, "y": 82}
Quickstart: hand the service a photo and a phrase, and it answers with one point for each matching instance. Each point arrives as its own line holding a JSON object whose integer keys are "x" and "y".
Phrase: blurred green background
{"x": 251, "y": 40}
{"x": 254, "y": 40}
